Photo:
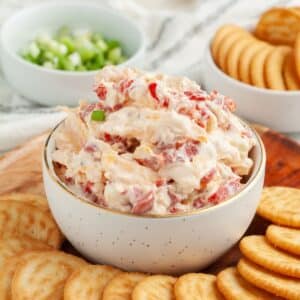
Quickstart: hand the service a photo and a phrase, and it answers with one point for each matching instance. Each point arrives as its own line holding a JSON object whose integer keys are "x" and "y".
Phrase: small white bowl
{"x": 278, "y": 110}
{"x": 54, "y": 87}
{"x": 163, "y": 244}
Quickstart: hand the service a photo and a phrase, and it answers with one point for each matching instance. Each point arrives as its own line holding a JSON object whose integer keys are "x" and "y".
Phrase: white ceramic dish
{"x": 167, "y": 244}
{"x": 54, "y": 87}
{"x": 278, "y": 110}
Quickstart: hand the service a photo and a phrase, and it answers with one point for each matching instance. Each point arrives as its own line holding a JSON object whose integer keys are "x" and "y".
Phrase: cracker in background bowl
{"x": 274, "y": 67}
{"x": 257, "y": 67}
{"x": 279, "y": 26}
{"x": 219, "y": 36}
{"x": 246, "y": 59}
{"x": 290, "y": 76}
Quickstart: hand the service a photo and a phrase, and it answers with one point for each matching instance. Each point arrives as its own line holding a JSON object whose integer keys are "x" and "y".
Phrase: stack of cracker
{"x": 267, "y": 58}
{"x": 32, "y": 267}
{"x": 270, "y": 267}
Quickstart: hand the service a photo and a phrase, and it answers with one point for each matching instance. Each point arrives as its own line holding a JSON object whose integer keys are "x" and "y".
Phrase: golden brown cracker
{"x": 297, "y": 54}
{"x": 89, "y": 282}
{"x": 35, "y": 200}
{"x": 43, "y": 276}
{"x": 287, "y": 239}
{"x": 279, "y": 285}
{"x": 290, "y": 76}
{"x": 280, "y": 205}
{"x": 278, "y": 26}
{"x": 234, "y": 287}
{"x": 246, "y": 59}
{"x": 11, "y": 246}
{"x": 17, "y": 218}
{"x": 295, "y": 9}
{"x": 256, "y": 249}
{"x": 122, "y": 286}
{"x": 257, "y": 65}
{"x": 194, "y": 286}
{"x": 274, "y": 67}
{"x": 155, "y": 287}
{"x": 228, "y": 41}
{"x": 8, "y": 271}
{"x": 218, "y": 37}
{"x": 234, "y": 54}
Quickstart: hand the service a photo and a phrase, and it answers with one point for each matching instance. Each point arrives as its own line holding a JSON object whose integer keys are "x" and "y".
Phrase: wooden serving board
{"x": 20, "y": 171}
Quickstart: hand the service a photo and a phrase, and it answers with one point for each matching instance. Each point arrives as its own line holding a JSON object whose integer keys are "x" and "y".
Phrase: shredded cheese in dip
{"x": 165, "y": 146}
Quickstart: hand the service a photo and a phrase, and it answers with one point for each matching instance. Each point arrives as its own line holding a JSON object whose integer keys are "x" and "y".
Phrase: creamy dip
{"x": 162, "y": 145}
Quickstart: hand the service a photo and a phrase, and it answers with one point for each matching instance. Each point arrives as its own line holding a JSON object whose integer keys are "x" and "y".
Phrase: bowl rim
{"x": 252, "y": 180}
{"x": 103, "y": 8}
{"x": 233, "y": 81}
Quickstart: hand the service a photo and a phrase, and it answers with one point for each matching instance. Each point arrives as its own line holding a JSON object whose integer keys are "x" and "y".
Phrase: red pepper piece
{"x": 195, "y": 96}
{"x": 152, "y": 89}
{"x": 144, "y": 204}
{"x": 101, "y": 91}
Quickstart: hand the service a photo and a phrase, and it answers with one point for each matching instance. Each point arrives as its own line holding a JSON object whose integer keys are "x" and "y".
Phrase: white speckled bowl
{"x": 164, "y": 244}
{"x": 278, "y": 110}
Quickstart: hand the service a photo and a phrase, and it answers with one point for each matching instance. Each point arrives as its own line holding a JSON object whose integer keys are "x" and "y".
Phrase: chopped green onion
{"x": 98, "y": 115}
{"x": 81, "y": 68}
{"x": 48, "y": 65}
{"x": 97, "y": 37}
{"x": 34, "y": 50}
{"x": 114, "y": 55}
{"x": 113, "y": 44}
{"x": 102, "y": 45}
{"x": 99, "y": 59}
{"x": 68, "y": 42}
{"x": 78, "y": 50}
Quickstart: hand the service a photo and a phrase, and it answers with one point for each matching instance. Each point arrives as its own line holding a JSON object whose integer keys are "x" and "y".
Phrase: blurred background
{"x": 176, "y": 31}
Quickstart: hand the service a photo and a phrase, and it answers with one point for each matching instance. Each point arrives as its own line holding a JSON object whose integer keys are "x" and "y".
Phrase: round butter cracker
{"x": 122, "y": 286}
{"x": 43, "y": 276}
{"x": 246, "y": 59}
{"x": 234, "y": 287}
{"x": 279, "y": 285}
{"x": 280, "y": 205}
{"x": 291, "y": 79}
{"x": 194, "y": 286}
{"x": 155, "y": 287}
{"x": 287, "y": 239}
{"x": 257, "y": 65}
{"x": 233, "y": 58}
{"x": 256, "y": 249}
{"x": 89, "y": 282}
{"x": 274, "y": 67}
{"x": 219, "y": 36}
{"x": 229, "y": 40}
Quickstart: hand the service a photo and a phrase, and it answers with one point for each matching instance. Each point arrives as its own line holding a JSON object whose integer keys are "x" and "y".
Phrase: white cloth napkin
{"x": 177, "y": 32}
